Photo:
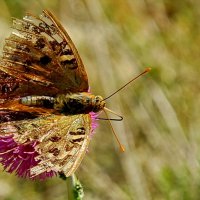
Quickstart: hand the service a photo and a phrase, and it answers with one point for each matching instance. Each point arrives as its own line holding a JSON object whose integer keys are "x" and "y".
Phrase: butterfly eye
{"x": 99, "y": 104}
{"x": 98, "y": 99}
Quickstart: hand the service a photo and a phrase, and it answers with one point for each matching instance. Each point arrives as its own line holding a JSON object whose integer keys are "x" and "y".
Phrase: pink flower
{"x": 20, "y": 158}
{"x": 94, "y": 125}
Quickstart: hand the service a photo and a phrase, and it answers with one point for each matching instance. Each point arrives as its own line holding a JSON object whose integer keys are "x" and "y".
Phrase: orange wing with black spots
{"x": 39, "y": 58}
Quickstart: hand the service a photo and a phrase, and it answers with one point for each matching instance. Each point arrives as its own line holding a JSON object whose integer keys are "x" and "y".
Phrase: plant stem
{"x": 74, "y": 187}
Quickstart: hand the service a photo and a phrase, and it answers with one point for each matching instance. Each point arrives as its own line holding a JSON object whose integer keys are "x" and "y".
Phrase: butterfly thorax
{"x": 78, "y": 103}
{"x": 74, "y": 103}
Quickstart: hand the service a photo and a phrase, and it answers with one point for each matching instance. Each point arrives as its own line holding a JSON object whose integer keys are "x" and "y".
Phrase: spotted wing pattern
{"x": 62, "y": 140}
{"x": 39, "y": 58}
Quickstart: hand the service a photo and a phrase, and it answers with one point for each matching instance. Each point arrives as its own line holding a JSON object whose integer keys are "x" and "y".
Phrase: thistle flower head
{"x": 94, "y": 123}
{"x": 20, "y": 158}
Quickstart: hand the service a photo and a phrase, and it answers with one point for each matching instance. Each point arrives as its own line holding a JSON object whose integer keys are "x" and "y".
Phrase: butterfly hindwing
{"x": 61, "y": 140}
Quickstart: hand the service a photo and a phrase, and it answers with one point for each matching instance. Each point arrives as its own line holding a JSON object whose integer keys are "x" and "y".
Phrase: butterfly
{"x": 46, "y": 110}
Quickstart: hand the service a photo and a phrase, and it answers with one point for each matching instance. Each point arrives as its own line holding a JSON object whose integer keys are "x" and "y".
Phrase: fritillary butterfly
{"x": 46, "y": 111}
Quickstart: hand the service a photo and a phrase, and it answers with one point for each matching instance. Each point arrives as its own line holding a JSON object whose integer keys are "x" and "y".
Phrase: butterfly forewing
{"x": 39, "y": 58}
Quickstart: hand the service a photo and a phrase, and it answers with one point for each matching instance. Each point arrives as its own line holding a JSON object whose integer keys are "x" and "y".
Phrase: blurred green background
{"x": 117, "y": 39}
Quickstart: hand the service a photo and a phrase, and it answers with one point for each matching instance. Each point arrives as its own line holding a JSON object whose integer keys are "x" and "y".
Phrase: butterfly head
{"x": 98, "y": 103}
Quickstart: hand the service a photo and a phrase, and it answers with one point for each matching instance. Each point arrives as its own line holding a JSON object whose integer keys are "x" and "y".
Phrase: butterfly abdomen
{"x": 69, "y": 104}
{"x": 42, "y": 101}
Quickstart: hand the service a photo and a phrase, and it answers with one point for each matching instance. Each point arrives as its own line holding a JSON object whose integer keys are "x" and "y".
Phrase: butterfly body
{"x": 69, "y": 104}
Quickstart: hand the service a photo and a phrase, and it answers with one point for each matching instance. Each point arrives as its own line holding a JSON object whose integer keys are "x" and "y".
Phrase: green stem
{"x": 74, "y": 187}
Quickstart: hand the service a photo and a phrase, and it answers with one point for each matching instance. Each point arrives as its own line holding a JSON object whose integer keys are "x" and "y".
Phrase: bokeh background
{"x": 117, "y": 39}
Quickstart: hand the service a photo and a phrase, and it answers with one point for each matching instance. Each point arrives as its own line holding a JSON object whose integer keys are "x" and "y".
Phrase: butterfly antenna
{"x": 144, "y": 72}
{"x": 120, "y": 145}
